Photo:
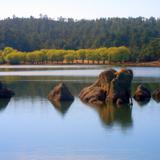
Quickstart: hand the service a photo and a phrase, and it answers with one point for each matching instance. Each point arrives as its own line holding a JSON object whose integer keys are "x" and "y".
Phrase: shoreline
{"x": 141, "y": 64}
{"x": 127, "y": 64}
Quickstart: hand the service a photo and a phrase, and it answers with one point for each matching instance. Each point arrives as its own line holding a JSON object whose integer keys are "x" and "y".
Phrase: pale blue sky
{"x": 78, "y": 9}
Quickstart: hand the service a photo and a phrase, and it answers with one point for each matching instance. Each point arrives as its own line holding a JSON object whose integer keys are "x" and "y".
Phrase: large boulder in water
{"x": 96, "y": 93}
{"x": 110, "y": 86}
{"x": 120, "y": 87}
{"x": 93, "y": 95}
{"x": 5, "y": 92}
{"x": 142, "y": 94}
{"x": 60, "y": 93}
{"x": 156, "y": 95}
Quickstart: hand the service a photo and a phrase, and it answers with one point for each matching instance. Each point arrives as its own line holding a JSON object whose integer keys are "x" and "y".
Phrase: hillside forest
{"x": 45, "y": 40}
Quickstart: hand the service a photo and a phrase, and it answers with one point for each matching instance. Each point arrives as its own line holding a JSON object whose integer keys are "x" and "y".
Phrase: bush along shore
{"x": 113, "y": 55}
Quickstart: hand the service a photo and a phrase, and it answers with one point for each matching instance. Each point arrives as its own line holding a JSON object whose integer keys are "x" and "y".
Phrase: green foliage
{"x": 151, "y": 51}
{"x": 1, "y": 58}
{"x": 40, "y": 56}
{"x": 56, "y": 55}
{"x": 7, "y": 50}
{"x": 29, "y": 34}
{"x": 15, "y": 57}
{"x": 92, "y": 55}
{"x": 100, "y": 55}
{"x": 103, "y": 53}
{"x": 119, "y": 54}
{"x": 70, "y": 56}
{"x": 31, "y": 57}
{"x": 81, "y": 54}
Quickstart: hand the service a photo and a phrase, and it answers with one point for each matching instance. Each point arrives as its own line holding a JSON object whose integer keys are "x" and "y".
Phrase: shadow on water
{"x": 111, "y": 114}
{"x": 62, "y": 107}
{"x": 4, "y": 103}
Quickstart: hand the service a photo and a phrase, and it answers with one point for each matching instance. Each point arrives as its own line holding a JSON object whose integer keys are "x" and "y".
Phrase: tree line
{"x": 57, "y": 56}
{"x": 141, "y": 35}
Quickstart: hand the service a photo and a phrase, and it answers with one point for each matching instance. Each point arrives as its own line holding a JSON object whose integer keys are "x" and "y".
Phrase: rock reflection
{"x": 111, "y": 114}
{"x": 3, "y": 103}
{"x": 144, "y": 103}
{"x": 62, "y": 107}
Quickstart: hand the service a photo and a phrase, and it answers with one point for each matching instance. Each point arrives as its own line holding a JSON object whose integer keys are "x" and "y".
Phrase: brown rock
{"x": 156, "y": 95}
{"x": 60, "y": 93}
{"x": 121, "y": 87}
{"x": 142, "y": 94}
{"x": 111, "y": 86}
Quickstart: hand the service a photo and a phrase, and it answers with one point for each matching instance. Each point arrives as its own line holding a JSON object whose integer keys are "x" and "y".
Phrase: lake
{"x": 32, "y": 128}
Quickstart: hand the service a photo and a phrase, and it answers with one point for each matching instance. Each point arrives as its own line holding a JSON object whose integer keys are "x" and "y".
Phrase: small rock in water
{"x": 156, "y": 95}
{"x": 142, "y": 94}
{"x": 60, "y": 93}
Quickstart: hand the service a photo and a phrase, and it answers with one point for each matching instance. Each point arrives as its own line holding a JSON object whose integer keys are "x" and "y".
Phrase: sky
{"x": 80, "y": 9}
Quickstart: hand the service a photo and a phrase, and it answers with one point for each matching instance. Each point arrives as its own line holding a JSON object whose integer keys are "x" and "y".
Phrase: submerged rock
{"x": 60, "y": 93}
{"x": 156, "y": 95}
{"x": 5, "y": 92}
{"x": 142, "y": 94}
{"x": 111, "y": 86}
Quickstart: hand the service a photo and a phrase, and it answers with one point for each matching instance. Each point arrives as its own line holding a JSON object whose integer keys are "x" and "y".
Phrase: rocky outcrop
{"x": 111, "y": 85}
{"x": 120, "y": 87}
{"x": 142, "y": 94}
{"x": 5, "y": 92}
{"x": 60, "y": 93}
{"x": 156, "y": 95}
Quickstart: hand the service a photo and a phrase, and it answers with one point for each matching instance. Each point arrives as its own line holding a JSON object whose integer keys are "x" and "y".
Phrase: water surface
{"x": 32, "y": 128}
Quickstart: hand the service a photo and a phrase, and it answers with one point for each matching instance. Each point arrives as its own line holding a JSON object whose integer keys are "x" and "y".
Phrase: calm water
{"x": 31, "y": 128}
